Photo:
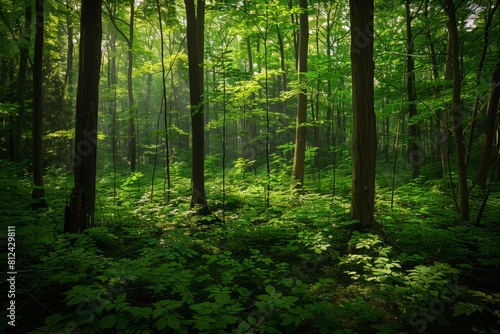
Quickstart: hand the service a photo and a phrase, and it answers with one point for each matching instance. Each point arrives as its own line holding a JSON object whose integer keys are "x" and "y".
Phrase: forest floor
{"x": 151, "y": 265}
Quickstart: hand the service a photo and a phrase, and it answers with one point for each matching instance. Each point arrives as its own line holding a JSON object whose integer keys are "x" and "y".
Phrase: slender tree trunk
{"x": 457, "y": 117}
{"x": 68, "y": 77}
{"x": 435, "y": 73}
{"x": 195, "y": 44}
{"x": 131, "y": 102}
{"x": 282, "y": 88}
{"x": 79, "y": 214}
{"x": 489, "y": 127}
{"x": 300, "y": 132}
{"x": 486, "y": 38}
{"x": 330, "y": 102}
{"x": 68, "y": 80}
{"x": 282, "y": 67}
{"x": 432, "y": 49}
{"x": 38, "y": 192}
{"x": 112, "y": 86}
{"x": 21, "y": 84}
{"x": 364, "y": 131}
{"x": 316, "y": 104}
{"x": 295, "y": 22}
{"x": 250, "y": 149}
{"x": 414, "y": 150}
{"x": 386, "y": 132}
{"x": 443, "y": 134}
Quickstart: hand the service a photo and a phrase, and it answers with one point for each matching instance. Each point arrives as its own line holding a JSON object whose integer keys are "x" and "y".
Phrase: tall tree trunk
{"x": 195, "y": 43}
{"x": 443, "y": 133}
{"x": 316, "y": 106}
{"x": 489, "y": 127}
{"x": 38, "y": 192}
{"x": 330, "y": 103}
{"x": 68, "y": 77}
{"x": 386, "y": 131}
{"x": 457, "y": 117}
{"x": 364, "y": 130}
{"x": 285, "y": 119}
{"x": 79, "y": 214}
{"x": 295, "y": 22}
{"x": 130, "y": 88}
{"x": 486, "y": 38}
{"x": 435, "y": 73}
{"x": 129, "y": 39}
{"x": 301, "y": 130}
{"x": 251, "y": 132}
{"x": 414, "y": 150}
{"x": 21, "y": 84}
{"x": 112, "y": 91}
{"x": 282, "y": 67}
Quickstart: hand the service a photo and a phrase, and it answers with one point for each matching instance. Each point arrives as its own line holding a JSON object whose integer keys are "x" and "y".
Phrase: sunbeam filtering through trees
{"x": 262, "y": 166}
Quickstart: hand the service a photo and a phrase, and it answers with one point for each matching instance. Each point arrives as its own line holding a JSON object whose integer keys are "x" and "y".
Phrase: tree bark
{"x": 79, "y": 214}
{"x": 457, "y": 117}
{"x": 132, "y": 135}
{"x": 21, "y": 84}
{"x": 441, "y": 130}
{"x": 489, "y": 128}
{"x": 486, "y": 38}
{"x": 301, "y": 130}
{"x": 38, "y": 192}
{"x": 364, "y": 129}
{"x": 131, "y": 102}
{"x": 195, "y": 44}
{"x": 414, "y": 150}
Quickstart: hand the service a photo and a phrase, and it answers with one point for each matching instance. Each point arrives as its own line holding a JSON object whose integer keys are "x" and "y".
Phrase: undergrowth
{"x": 151, "y": 265}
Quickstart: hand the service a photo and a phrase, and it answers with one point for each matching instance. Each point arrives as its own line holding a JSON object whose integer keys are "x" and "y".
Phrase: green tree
{"x": 24, "y": 48}
{"x": 132, "y": 108}
{"x": 79, "y": 214}
{"x": 490, "y": 125}
{"x": 301, "y": 130}
{"x": 457, "y": 113}
{"x": 414, "y": 150}
{"x": 38, "y": 192}
{"x": 195, "y": 16}
{"x": 364, "y": 143}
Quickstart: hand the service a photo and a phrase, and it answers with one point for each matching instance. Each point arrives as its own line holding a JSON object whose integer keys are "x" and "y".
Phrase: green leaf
{"x": 270, "y": 289}
{"x": 264, "y": 297}
{"x": 173, "y": 322}
{"x": 400, "y": 289}
{"x": 53, "y": 319}
{"x": 121, "y": 323}
{"x": 107, "y": 321}
{"x": 162, "y": 323}
{"x": 158, "y": 312}
{"x": 230, "y": 319}
{"x": 287, "y": 321}
{"x": 220, "y": 323}
{"x": 222, "y": 299}
{"x": 121, "y": 297}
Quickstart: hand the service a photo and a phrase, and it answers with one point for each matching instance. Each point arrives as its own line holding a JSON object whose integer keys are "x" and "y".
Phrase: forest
{"x": 251, "y": 166}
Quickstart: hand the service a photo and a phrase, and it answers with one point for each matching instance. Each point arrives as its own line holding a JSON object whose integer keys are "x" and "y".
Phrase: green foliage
{"x": 294, "y": 267}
